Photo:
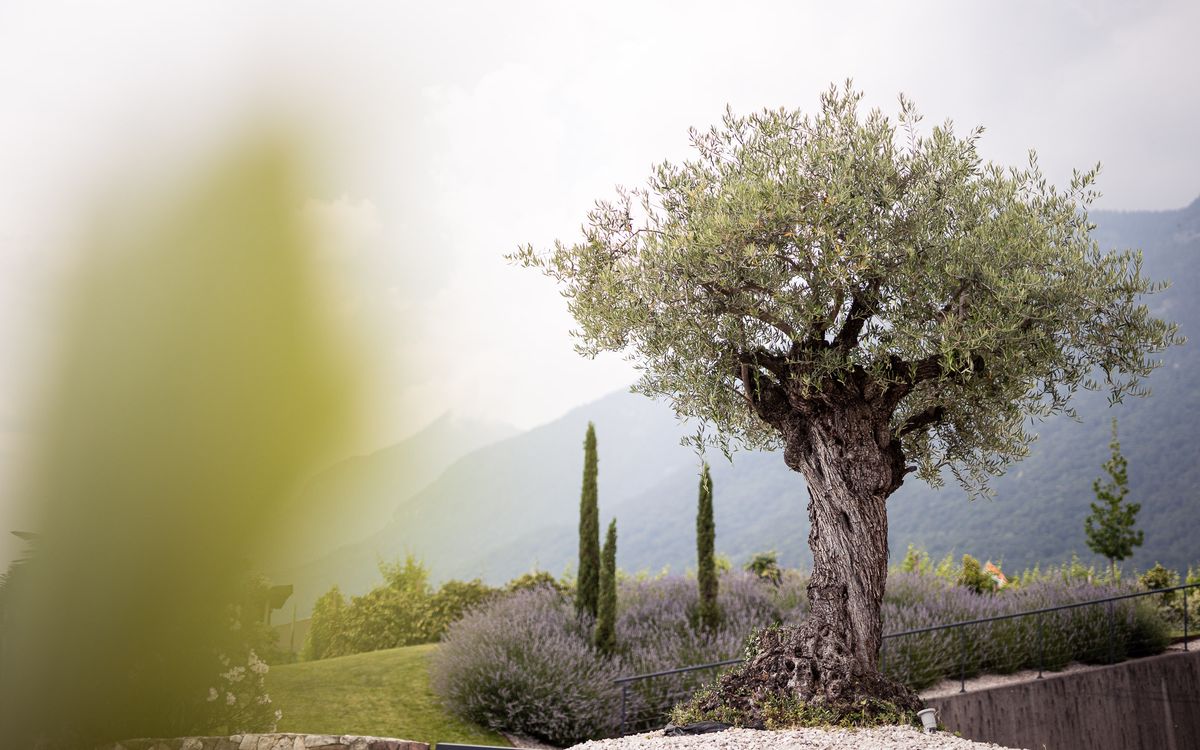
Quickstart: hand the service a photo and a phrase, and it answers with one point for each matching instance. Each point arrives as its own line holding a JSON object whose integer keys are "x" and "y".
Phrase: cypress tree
{"x": 587, "y": 585}
{"x": 605, "y": 636}
{"x": 1110, "y": 526}
{"x": 706, "y": 532}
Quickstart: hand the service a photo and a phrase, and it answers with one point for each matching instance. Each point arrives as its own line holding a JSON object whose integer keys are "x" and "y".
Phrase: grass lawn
{"x": 381, "y": 693}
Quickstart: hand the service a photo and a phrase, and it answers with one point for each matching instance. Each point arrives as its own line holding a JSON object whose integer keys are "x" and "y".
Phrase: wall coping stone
{"x": 274, "y": 741}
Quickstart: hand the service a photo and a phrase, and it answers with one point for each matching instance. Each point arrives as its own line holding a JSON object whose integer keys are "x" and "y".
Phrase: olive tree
{"x": 871, "y": 298}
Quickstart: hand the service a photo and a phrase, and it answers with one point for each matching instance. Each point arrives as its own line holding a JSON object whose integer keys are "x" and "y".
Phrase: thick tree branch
{"x": 752, "y": 311}
{"x": 765, "y": 397}
{"x": 757, "y": 357}
{"x": 923, "y": 419}
{"x": 908, "y": 375}
{"x": 861, "y": 310}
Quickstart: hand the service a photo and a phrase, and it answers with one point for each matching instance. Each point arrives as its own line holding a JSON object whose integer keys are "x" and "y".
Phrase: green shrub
{"x": 1159, "y": 577}
{"x": 325, "y": 632}
{"x": 945, "y": 569}
{"x": 451, "y": 602}
{"x": 403, "y": 611}
{"x": 916, "y": 560}
{"x": 1170, "y": 604}
{"x": 384, "y": 618}
{"x": 536, "y": 579}
{"x": 1149, "y": 632}
{"x": 765, "y": 565}
{"x": 972, "y": 576}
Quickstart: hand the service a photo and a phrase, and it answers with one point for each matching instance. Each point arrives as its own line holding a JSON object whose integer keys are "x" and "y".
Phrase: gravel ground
{"x": 883, "y": 738}
{"x": 879, "y": 738}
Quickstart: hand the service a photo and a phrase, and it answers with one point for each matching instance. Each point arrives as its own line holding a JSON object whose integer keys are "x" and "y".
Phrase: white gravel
{"x": 878, "y": 738}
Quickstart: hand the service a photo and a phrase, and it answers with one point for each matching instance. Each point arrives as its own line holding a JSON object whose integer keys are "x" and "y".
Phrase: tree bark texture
{"x": 852, "y": 462}
{"x": 851, "y": 466}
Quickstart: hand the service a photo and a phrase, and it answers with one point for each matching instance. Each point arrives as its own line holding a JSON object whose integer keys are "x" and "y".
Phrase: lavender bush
{"x": 917, "y": 601}
{"x": 525, "y": 662}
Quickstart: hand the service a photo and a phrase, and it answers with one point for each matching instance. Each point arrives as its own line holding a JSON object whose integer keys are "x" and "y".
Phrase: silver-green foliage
{"x": 800, "y": 250}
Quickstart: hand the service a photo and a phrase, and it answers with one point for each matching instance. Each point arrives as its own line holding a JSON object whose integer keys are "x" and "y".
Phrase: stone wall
{"x": 1144, "y": 703}
{"x": 271, "y": 742}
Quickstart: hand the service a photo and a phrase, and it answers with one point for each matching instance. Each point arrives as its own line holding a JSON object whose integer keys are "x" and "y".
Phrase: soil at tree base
{"x": 802, "y": 674}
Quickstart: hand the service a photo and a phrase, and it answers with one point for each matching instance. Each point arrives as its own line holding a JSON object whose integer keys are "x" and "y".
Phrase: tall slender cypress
{"x": 706, "y": 533}
{"x": 605, "y": 636}
{"x": 587, "y": 584}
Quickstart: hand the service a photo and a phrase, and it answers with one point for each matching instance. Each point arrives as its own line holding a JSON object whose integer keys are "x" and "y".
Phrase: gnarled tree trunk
{"x": 852, "y": 462}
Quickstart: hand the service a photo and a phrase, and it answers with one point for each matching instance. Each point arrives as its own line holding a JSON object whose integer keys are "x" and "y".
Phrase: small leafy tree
{"x": 452, "y": 600}
{"x": 916, "y": 560}
{"x": 1159, "y": 577}
{"x": 587, "y": 583}
{"x": 1109, "y": 528}
{"x": 605, "y": 637}
{"x": 871, "y": 299}
{"x": 393, "y": 614}
{"x": 706, "y": 575}
{"x": 325, "y": 627}
{"x": 535, "y": 579}
{"x": 765, "y": 565}
{"x": 973, "y": 577}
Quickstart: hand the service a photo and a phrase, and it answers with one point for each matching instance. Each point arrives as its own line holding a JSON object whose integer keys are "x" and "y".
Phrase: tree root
{"x": 802, "y": 677}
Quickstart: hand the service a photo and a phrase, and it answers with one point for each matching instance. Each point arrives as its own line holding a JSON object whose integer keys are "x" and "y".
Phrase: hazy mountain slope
{"x": 1040, "y": 504}
{"x": 354, "y": 498}
{"x": 527, "y": 483}
{"x": 503, "y": 508}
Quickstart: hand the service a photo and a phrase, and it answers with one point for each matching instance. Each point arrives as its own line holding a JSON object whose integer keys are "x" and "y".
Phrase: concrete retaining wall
{"x": 271, "y": 742}
{"x": 1147, "y": 703}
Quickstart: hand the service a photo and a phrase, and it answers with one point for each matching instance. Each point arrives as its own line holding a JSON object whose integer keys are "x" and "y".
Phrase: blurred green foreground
{"x": 196, "y": 378}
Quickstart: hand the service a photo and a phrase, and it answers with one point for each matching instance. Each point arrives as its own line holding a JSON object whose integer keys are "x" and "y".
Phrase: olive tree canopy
{"x": 796, "y": 251}
{"x": 875, "y": 300}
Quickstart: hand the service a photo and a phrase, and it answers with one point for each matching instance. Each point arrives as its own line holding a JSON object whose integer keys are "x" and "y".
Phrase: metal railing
{"x": 1051, "y": 655}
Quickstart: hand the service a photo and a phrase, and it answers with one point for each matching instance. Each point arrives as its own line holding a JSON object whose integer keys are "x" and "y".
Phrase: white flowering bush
{"x": 238, "y": 701}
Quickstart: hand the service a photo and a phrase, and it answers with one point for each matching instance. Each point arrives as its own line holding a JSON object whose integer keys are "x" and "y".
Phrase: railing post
{"x": 883, "y": 647}
{"x": 624, "y": 694}
{"x": 1185, "y": 622}
{"x": 962, "y": 661}
{"x": 1112, "y": 627}
{"x": 1041, "y": 649}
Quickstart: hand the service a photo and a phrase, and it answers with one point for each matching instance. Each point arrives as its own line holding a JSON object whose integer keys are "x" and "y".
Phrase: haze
{"x": 444, "y": 135}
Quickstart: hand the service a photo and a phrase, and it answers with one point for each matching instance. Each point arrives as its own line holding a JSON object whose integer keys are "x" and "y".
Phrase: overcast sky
{"x": 449, "y": 133}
